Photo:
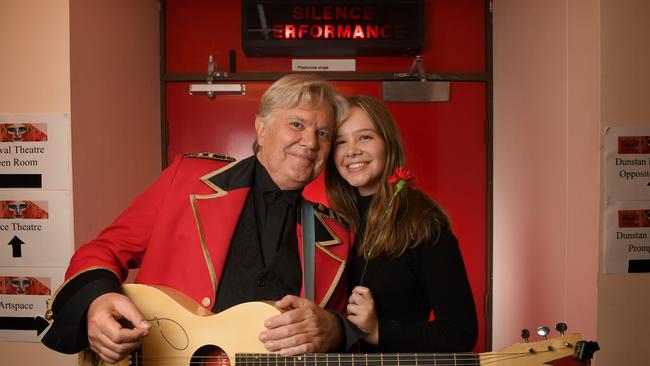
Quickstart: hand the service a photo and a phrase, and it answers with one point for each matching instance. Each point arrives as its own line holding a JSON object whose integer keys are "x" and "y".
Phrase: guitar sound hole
{"x": 210, "y": 355}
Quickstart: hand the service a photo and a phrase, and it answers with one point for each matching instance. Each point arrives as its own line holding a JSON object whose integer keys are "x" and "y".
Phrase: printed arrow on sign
{"x": 15, "y": 243}
{"x": 36, "y": 323}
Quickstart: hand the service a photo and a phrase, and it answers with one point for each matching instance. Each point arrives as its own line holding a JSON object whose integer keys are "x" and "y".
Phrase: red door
{"x": 445, "y": 141}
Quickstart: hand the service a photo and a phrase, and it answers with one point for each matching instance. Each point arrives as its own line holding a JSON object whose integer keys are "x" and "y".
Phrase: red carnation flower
{"x": 402, "y": 175}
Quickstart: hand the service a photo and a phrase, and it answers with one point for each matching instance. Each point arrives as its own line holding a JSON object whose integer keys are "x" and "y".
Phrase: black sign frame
{"x": 403, "y": 20}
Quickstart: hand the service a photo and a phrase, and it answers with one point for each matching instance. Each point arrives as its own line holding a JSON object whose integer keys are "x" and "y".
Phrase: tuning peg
{"x": 525, "y": 334}
{"x": 561, "y": 327}
{"x": 585, "y": 351}
{"x": 543, "y": 331}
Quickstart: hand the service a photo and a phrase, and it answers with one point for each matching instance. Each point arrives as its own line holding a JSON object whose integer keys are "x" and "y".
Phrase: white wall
{"x": 99, "y": 61}
{"x": 546, "y": 166}
{"x": 565, "y": 70}
{"x": 624, "y": 299}
{"x": 115, "y": 92}
{"x": 35, "y": 62}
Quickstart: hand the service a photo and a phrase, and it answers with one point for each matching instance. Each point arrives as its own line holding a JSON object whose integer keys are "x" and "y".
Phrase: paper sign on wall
{"x": 23, "y": 301}
{"x": 34, "y": 151}
{"x": 35, "y": 219}
{"x": 627, "y": 200}
{"x": 35, "y": 228}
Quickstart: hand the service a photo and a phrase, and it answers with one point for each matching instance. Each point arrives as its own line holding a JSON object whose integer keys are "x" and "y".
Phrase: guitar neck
{"x": 359, "y": 359}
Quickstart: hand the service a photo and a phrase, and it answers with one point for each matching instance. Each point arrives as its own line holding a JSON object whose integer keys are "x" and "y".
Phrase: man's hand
{"x": 362, "y": 312}
{"x": 106, "y": 336}
{"x": 304, "y": 327}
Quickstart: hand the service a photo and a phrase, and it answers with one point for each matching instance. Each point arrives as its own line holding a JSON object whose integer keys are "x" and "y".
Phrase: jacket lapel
{"x": 217, "y": 213}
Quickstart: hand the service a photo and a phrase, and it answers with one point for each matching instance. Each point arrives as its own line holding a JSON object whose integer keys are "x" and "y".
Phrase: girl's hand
{"x": 362, "y": 312}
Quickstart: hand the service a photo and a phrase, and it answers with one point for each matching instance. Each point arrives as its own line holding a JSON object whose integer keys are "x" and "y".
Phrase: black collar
{"x": 266, "y": 185}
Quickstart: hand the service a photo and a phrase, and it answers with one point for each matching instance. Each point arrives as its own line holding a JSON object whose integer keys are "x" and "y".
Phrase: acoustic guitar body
{"x": 182, "y": 330}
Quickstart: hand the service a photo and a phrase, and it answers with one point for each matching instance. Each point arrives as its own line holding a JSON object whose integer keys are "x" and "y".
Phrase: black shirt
{"x": 263, "y": 261}
{"x": 406, "y": 289}
{"x": 363, "y": 205}
{"x": 275, "y": 212}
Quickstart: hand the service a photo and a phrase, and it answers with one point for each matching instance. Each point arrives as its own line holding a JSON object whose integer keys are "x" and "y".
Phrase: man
{"x": 223, "y": 233}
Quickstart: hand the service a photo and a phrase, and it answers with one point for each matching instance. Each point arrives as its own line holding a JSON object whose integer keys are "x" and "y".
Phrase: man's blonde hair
{"x": 294, "y": 89}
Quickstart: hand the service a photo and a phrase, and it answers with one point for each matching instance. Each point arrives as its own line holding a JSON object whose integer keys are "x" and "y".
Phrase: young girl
{"x": 408, "y": 262}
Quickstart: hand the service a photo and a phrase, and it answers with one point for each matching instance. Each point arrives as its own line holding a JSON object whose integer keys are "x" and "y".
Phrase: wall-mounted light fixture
{"x": 211, "y": 89}
{"x": 218, "y": 89}
{"x": 421, "y": 90}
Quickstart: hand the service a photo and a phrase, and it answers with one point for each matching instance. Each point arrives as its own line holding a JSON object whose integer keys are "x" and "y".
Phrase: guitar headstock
{"x": 565, "y": 350}
{"x": 552, "y": 351}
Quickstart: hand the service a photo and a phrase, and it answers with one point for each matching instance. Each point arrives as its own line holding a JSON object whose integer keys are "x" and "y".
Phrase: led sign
{"x": 344, "y": 28}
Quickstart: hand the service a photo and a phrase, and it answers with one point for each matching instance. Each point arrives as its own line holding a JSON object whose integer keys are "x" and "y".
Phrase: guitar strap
{"x": 308, "y": 248}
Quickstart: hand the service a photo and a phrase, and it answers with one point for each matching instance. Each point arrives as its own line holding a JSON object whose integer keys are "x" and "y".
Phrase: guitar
{"x": 185, "y": 333}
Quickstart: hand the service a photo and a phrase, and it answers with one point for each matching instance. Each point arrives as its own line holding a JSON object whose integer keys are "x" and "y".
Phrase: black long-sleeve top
{"x": 406, "y": 289}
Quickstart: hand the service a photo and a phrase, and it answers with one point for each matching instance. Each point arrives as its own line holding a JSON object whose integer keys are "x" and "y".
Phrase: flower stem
{"x": 398, "y": 187}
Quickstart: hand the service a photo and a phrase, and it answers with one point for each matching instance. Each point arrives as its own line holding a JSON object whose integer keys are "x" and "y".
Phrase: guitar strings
{"x": 441, "y": 359}
{"x": 203, "y": 362}
{"x": 312, "y": 359}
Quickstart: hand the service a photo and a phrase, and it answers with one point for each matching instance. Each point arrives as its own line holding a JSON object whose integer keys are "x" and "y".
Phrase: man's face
{"x": 295, "y": 143}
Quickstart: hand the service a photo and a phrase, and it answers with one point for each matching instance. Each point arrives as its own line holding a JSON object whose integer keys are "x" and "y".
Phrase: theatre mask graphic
{"x": 24, "y": 285}
{"x": 23, "y": 132}
{"x": 23, "y": 209}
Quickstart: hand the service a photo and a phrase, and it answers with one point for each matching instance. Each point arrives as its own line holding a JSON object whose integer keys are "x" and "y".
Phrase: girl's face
{"x": 360, "y": 153}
